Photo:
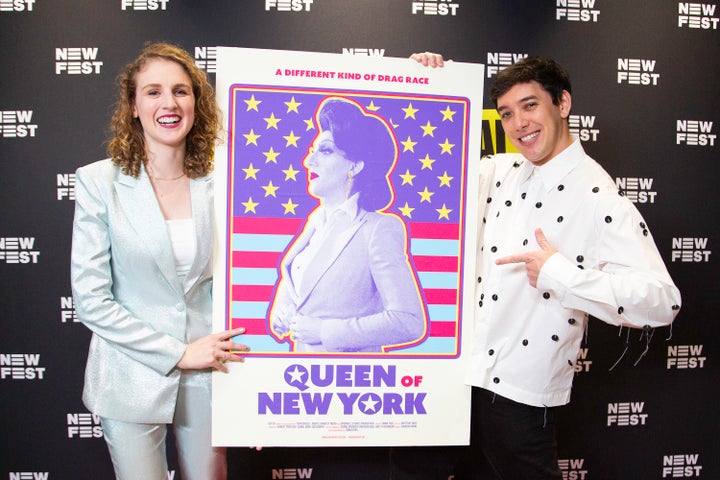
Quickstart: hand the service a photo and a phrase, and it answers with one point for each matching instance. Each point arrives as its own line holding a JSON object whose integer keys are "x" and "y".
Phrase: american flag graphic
{"x": 270, "y": 130}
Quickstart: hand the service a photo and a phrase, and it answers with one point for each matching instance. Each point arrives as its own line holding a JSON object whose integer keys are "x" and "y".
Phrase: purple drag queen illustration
{"x": 346, "y": 281}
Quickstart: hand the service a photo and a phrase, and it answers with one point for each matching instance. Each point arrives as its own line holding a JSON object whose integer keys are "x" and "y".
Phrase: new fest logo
{"x": 65, "y": 183}
{"x": 77, "y": 61}
{"x": 637, "y": 71}
{"x": 206, "y": 58}
{"x": 497, "y": 61}
{"x": 435, "y": 7}
{"x": 291, "y": 473}
{"x": 144, "y": 5}
{"x": 21, "y": 366}
{"x": 573, "y": 468}
{"x": 685, "y": 465}
{"x": 698, "y": 133}
{"x": 18, "y": 250}
{"x": 576, "y": 11}
{"x": 288, "y": 5}
{"x": 626, "y": 414}
{"x": 67, "y": 310}
{"x": 697, "y": 16}
{"x": 17, "y": 5}
{"x": 17, "y": 124}
{"x": 637, "y": 189}
{"x": 83, "y": 425}
{"x": 364, "y": 52}
{"x": 680, "y": 357}
{"x": 29, "y": 475}
{"x": 690, "y": 250}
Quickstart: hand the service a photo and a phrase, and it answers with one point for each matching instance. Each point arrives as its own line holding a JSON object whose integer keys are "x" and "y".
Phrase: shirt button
{"x": 180, "y": 307}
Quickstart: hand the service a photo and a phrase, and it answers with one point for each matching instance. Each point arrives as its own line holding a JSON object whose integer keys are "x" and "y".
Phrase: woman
{"x": 141, "y": 270}
{"x": 346, "y": 282}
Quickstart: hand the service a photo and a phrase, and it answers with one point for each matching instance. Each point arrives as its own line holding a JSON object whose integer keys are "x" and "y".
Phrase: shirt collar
{"x": 349, "y": 208}
{"x": 552, "y": 172}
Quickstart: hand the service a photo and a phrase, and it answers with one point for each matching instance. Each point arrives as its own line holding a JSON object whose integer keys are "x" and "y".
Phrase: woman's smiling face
{"x": 164, "y": 103}
{"x": 327, "y": 169}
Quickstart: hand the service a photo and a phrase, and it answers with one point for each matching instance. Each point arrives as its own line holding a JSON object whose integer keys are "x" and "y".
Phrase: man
{"x": 556, "y": 243}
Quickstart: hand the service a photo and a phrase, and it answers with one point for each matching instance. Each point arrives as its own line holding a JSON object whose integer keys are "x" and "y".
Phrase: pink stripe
{"x": 428, "y": 263}
{"x": 282, "y": 226}
{"x": 442, "y": 329}
{"x": 251, "y": 293}
{"x": 440, "y": 231}
{"x": 441, "y": 296}
{"x": 255, "y": 259}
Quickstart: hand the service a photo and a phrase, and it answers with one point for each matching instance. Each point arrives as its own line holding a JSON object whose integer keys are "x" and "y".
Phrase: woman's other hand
{"x": 212, "y": 351}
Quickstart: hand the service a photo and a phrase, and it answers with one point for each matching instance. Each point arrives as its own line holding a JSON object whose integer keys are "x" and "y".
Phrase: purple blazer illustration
{"x": 346, "y": 282}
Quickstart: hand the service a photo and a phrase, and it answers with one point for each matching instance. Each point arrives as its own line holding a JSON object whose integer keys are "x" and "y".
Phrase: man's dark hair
{"x": 547, "y": 72}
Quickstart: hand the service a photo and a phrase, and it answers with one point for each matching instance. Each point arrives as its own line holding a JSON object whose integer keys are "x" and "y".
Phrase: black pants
{"x": 509, "y": 441}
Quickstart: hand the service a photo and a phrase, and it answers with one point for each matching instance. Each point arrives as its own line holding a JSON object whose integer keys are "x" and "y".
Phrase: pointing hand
{"x": 533, "y": 260}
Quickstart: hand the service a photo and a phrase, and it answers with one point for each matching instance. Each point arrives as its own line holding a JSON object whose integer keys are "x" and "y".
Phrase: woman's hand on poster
{"x": 305, "y": 329}
{"x": 212, "y": 351}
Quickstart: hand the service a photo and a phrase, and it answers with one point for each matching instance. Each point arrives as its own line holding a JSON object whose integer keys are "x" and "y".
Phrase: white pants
{"x": 138, "y": 449}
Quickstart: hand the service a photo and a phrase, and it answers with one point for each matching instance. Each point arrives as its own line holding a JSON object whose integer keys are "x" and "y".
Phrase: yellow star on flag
{"x": 250, "y": 205}
{"x": 310, "y": 124}
{"x": 407, "y": 177}
{"x": 289, "y": 206}
{"x": 446, "y": 147}
{"x": 271, "y": 155}
{"x": 425, "y": 195}
{"x": 406, "y": 210}
{"x": 270, "y": 189}
{"x": 251, "y": 137}
{"x": 272, "y": 121}
{"x": 291, "y": 139}
{"x": 427, "y": 162}
{"x": 447, "y": 114}
{"x": 372, "y": 107}
{"x": 408, "y": 145}
{"x": 443, "y": 212}
{"x": 410, "y": 111}
{"x": 250, "y": 172}
{"x": 291, "y": 173}
{"x": 428, "y": 129}
{"x": 292, "y": 105}
{"x": 445, "y": 179}
{"x": 252, "y": 104}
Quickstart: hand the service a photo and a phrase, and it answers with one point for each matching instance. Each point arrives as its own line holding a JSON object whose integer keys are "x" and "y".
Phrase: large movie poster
{"x": 345, "y": 219}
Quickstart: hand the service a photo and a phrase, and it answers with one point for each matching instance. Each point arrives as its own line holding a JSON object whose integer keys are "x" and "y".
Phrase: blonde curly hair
{"x": 127, "y": 145}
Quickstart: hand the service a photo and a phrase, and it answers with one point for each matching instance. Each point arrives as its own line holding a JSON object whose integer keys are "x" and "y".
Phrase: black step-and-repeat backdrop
{"x": 646, "y": 105}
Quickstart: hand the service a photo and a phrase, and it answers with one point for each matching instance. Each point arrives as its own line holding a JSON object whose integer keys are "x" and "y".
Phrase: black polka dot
{"x": 491, "y": 352}
{"x": 621, "y": 193}
{"x": 484, "y": 220}
{"x": 560, "y": 219}
{"x": 493, "y": 249}
{"x": 645, "y": 233}
{"x": 508, "y": 203}
{"x": 525, "y": 242}
{"x": 620, "y": 310}
{"x": 642, "y": 225}
{"x": 525, "y": 342}
{"x": 489, "y": 199}
{"x": 523, "y": 195}
{"x": 480, "y": 303}
{"x": 482, "y": 296}
{"x": 497, "y": 184}
{"x": 571, "y": 321}
{"x": 595, "y": 189}
{"x": 608, "y": 219}
{"x": 516, "y": 164}
{"x": 479, "y": 279}
{"x": 676, "y": 307}
{"x": 555, "y": 338}
{"x": 570, "y": 363}
{"x": 580, "y": 258}
{"x": 581, "y": 267}
{"x": 495, "y": 297}
{"x": 496, "y": 380}
{"x": 561, "y": 188}
{"x": 546, "y": 295}
{"x": 538, "y": 205}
